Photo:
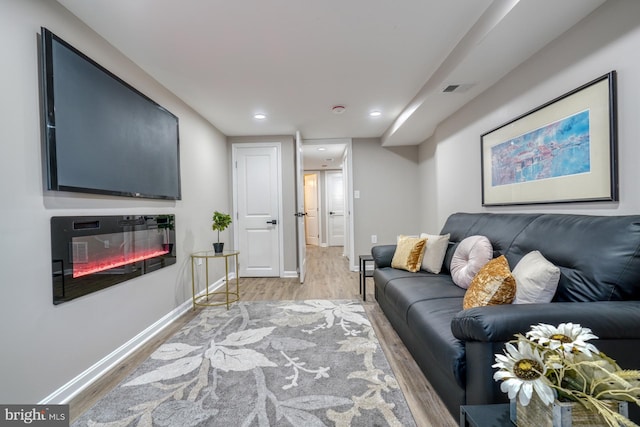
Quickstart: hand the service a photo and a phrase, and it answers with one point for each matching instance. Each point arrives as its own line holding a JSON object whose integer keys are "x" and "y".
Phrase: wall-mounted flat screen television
{"x": 102, "y": 135}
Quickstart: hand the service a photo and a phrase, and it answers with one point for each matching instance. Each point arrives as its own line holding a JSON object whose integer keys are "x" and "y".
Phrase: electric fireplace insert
{"x": 90, "y": 253}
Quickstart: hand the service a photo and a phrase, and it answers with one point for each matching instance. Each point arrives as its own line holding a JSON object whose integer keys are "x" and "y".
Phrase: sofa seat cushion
{"x": 382, "y": 276}
{"x": 430, "y": 320}
{"x": 404, "y": 292}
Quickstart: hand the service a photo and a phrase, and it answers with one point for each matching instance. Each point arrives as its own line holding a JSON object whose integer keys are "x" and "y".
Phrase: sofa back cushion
{"x": 598, "y": 256}
{"x": 501, "y": 229}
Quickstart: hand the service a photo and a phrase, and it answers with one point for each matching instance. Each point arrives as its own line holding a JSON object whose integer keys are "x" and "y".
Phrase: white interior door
{"x": 300, "y": 223}
{"x": 311, "y": 208}
{"x": 257, "y": 190}
{"x": 335, "y": 208}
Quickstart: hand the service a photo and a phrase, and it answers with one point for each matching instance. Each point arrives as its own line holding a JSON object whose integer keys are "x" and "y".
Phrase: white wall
{"x": 606, "y": 40}
{"x": 387, "y": 179}
{"x": 45, "y": 346}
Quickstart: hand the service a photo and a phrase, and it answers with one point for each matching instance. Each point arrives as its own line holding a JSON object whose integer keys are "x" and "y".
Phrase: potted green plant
{"x": 166, "y": 223}
{"x": 220, "y": 223}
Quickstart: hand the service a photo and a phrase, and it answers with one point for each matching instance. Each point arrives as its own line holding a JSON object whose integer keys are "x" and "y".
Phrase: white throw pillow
{"x": 536, "y": 279}
{"x": 435, "y": 252}
{"x": 470, "y": 256}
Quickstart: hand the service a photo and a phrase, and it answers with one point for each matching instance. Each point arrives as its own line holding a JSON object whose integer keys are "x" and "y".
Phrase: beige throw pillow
{"x": 434, "y": 252}
{"x": 409, "y": 253}
{"x": 536, "y": 279}
{"x": 493, "y": 285}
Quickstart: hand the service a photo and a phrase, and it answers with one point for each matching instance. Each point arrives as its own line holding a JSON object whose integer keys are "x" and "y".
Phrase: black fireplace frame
{"x": 91, "y": 253}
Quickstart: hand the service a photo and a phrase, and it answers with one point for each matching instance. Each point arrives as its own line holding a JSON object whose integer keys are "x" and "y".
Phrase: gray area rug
{"x": 274, "y": 363}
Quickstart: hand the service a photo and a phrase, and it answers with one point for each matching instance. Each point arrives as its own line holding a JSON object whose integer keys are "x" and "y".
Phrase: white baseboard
{"x": 71, "y": 389}
{"x": 290, "y": 274}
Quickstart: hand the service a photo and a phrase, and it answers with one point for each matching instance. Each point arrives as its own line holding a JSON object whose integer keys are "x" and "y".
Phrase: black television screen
{"x": 102, "y": 135}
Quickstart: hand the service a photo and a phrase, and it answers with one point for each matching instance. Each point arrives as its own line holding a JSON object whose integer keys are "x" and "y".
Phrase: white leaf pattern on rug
{"x": 346, "y": 312}
{"x": 262, "y": 364}
{"x": 249, "y": 336}
{"x": 167, "y": 372}
{"x": 173, "y": 351}
{"x": 321, "y": 372}
{"x": 236, "y": 359}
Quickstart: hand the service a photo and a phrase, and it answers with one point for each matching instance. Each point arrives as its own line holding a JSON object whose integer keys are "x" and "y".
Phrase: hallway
{"x": 328, "y": 277}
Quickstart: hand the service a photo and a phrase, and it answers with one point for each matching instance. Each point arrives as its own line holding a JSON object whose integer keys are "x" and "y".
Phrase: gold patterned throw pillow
{"x": 493, "y": 285}
{"x": 409, "y": 253}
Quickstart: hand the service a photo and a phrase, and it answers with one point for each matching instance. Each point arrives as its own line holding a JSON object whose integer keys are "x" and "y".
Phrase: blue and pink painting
{"x": 555, "y": 150}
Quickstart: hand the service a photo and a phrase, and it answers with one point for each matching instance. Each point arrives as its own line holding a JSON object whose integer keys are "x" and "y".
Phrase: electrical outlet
{"x": 374, "y": 238}
{"x": 106, "y": 244}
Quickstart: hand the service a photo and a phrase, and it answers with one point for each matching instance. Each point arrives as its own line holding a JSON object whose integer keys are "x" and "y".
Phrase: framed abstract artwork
{"x": 563, "y": 151}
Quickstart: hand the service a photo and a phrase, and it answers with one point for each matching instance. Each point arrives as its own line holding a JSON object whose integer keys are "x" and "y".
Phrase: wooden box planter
{"x": 560, "y": 414}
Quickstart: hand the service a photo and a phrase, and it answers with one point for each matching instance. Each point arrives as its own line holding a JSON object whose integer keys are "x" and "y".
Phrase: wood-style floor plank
{"x": 328, "y": 277}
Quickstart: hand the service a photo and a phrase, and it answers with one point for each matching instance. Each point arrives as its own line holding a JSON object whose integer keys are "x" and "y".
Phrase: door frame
{"x": 347, "y": 170}
{"x": 234, "y": 179}
{"x": 347, "y": 176}
{"x": 300, "y": 211}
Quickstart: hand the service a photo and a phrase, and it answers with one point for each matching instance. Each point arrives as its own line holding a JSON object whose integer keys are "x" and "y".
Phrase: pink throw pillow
{"x": 470, "y": 256}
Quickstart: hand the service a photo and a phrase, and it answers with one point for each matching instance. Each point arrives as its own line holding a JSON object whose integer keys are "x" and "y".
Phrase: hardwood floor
{"x": 328, "y": 277}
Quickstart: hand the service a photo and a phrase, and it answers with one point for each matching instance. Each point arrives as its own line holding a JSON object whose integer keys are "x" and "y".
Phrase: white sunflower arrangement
{"x": 559, "y": 362}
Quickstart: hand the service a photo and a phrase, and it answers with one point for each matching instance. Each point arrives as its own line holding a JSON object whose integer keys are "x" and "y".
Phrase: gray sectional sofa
{"x": 599, "y": 287}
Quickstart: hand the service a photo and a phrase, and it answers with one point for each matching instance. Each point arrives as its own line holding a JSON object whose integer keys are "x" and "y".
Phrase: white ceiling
{"x": 323, "y": 154}
{"x": 294, "y": 59}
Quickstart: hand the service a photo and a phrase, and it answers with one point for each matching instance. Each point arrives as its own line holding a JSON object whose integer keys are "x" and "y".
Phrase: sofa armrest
{"x": 611, "y": 320}
{"x": 383, "y": 254}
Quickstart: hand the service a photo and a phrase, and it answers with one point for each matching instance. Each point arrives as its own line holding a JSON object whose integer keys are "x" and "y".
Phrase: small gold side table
{"x": 230, "y": 295}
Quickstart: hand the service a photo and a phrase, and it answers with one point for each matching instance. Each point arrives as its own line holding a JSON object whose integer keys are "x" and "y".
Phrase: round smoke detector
{"x": 338, "y": 109}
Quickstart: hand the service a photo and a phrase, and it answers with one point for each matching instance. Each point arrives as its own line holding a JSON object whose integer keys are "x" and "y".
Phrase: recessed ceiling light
{"x": 260, "y": 116}
{"x": 375, "y": 113}
{"x": 321, "y": 149}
